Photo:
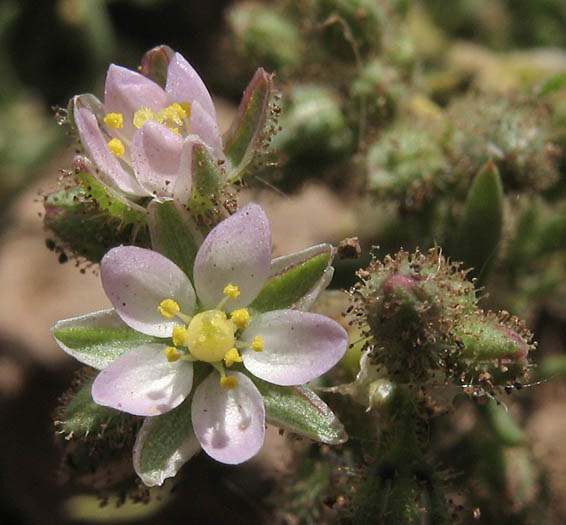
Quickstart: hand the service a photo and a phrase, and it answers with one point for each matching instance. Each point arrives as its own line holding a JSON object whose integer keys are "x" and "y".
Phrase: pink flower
{"x": 209, "y": 322}
{"x": 141, "y": 138}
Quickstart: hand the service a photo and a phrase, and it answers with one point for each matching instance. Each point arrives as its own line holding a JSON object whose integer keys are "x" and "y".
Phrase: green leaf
{"x": 481, "y": 223}
{"x": 300, "y": 410}
{"x": 164, "y": 444}
{"x": 243, "y": 141}
{"x": 296, "y": 279}
{"x": 174, "y": 234}
{"x": 98, "y": 338}
{"x": 83, "y": 417}
{"x": 208, "y": 178}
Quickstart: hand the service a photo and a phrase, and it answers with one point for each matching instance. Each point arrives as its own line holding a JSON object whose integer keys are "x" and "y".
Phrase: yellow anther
{"x": 180, "y": 336}
{"x": 114, "y": 120}
{"x": 186, "y": 107}
{"x": 232, "y": 291}
{"x": 141, "y": 115}
{"x": 240, "y": 317}
{"x": 168, "y": 308}
{"x": 257, "y": 344}
{"x": 232, "y": 356}
{"x": 229, "y": 382}
{"x": 117, "y": 147}
{"x": 172, "y": 354}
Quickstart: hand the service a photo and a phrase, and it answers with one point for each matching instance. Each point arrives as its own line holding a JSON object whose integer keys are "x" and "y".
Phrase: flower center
{"x": 210, "y": 335}
{"x": 175, "y": 117}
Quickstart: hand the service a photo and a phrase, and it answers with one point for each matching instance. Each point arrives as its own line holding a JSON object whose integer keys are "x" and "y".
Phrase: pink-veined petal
{"x": 185, "y": 85}
{"x": 297, "y": 346}
{"x": 127, "y": 91}
{"x": 143, "y": 382}
{"x": 156, "y": 155}
{"x": 237, "y": 251}
{"x": 184, "y": 180}
{"x": 230, "y": 424}
{"x": 110, "y": 170}
{"x": 206, "y": 127}
{"x": 136, "y": 280}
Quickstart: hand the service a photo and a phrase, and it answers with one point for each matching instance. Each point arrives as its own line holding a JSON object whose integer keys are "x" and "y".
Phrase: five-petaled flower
{"x": 210, "y": 322}
{"x": 141, "y": 139}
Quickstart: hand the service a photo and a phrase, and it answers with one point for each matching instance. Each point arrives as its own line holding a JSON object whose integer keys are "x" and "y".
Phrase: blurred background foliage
{"x": 437, "y": 122}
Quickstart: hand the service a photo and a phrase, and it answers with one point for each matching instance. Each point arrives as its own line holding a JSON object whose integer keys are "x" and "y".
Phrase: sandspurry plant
{"x": 218, "y": 320}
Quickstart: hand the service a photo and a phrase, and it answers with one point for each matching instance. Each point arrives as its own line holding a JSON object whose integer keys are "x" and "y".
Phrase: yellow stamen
{"x": 186, "y": 107}
{"x": 180, "y": 336}
{"x": 114, "y": 120}
{"x": 168, "y": 308}
{"x": 229, "y": 382}
{"x": 117, "y": 147}
{"x": 232, "y": 356}
{"x": 240, "y": 317}
{"x": 232, "y": 291}
{"x": 172, "y": 354}
{"x": 141, "y": 115}
{"x": 257, "y": 344}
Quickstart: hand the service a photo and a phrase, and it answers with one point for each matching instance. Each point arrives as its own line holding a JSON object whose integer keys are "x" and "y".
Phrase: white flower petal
{"x": 143, "y": 382}
{"x": 156, "y": 156}
{"x": 127, "y": 91}
{"x": 110, "y": 170}
{"x": 136, "y": 280}
{"x": 185, "y": 85}
{"x": 230, "y": 424}
{"x": 205, "y": 126}
{"x": 298, "y": 346}
{"x": 237, "y": 251}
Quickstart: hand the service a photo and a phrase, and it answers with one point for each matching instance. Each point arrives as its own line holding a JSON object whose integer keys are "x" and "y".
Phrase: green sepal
{"x": 82, "y": 417}
{"x": 174, "y": 234}
{"x": 296, "y": 280}
{"x": 300, "y": 410}
{"x": 483, "y": 340}
{"x": 84, "y": 228}
{"x": 480, "y": 228}
{"x": 98, "y": 338}
{"x": 245, "y": 138}
{"x": 155, "y": 63}
{"x": 112, "y": 202}
{"x": 166, "y": 442}
{"x": 208, "y": 179}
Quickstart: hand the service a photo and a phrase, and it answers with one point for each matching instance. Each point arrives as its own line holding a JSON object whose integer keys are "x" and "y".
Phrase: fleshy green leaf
{"x": 165, "y": 443}
{"x": 208, "y": 178}
{"x": 244, "y": 138}
{"x": 83, "y": 417}
{"x": 481, "y": 223}
{"x": 296, "y": 279}
{"x": 173, "y": 234}
{"x": 98, "y": 338}
{"x": 300, "y": 410}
